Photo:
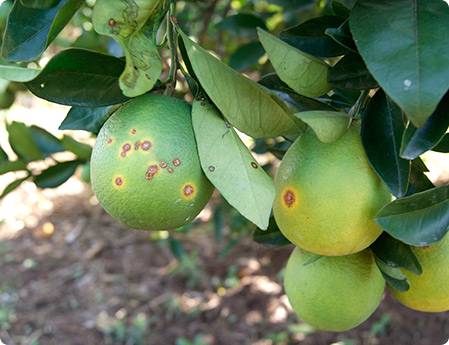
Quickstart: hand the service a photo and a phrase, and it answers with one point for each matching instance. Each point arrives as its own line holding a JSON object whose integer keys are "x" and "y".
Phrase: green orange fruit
{"x": 429, "y": 291}
{"x": 145, "y": 168}
{"x": 328, "y": 194}
{"x": 333, "y": 293}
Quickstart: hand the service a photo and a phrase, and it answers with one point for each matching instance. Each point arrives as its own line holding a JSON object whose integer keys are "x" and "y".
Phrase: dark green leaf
{"x": 443, "y": 145}
{"x": 87, "y": 119}
{"x": 82, "y": 151}
{"x": 56, "y": 175}
{"x": 80, "y": 77}
{"x": 395, "y": 253}
{"x": 382, "y": 128}
{"x": 246, "y": 55}
{"x": 405, "y": 44}
{"x": 272, "y": 236}
{"x": 393, "y": 276}
{"x": 176, "y": 248}
{"x": 416, "y": 141}
{"x": 8, "y": 166}
{"x": 46, "y": 142}
{"x": 30, "y": 30}
{"x": 340, "y": 9}
{"x": 418, "y": 181}
{"x": 351, "y": 73}
{"x": 342, "y": 36}
{"x": 242, "y": 24}
{"x": 12, "y": 186}
{"x": 229, "y": 165}
{"x": 22, "y": 143}
{"x": 3, "y": 155}
{"x": 39, "y": 3}
{"x": 419, "y": 219}
{"x": 310, "y": 37}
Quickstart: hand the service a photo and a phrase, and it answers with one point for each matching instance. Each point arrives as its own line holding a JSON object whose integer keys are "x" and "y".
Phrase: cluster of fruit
{"x": 326, "y": 198}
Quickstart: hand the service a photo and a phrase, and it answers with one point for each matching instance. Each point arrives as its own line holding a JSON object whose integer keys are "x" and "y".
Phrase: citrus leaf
{"x": 382, "y": 128}
{"x": 30, "y": 30}
{"x": 56, "y": 175}
{"x": 304, "y": 73}
{"x": 416, "y": 141}
{"x": 230, "y": 167}
{"x": 419, "y": 219}
{"x": 80, "y": 77}
{"x": 3, "y": 156}
{"x": 87, "y": 119}
{"x": 406, "y": 48}
{"x": 12, "y": 186}
{"x": 17, "y": 73}
{"x": 418, "y": 181}
{"x": 351, "y": 73}
{"x": 443, "y": 145}
{"x": 327, "y": 125}
{"x": 395, "y": 253}
{"x": 246, "y": 55}
{"x": 46, "y": 142}
{"x": 22, "y": 143}
{"x": 310, "y": 37}
{"x": 244, "y": 103}
{"x": 241, "y": 24}
{"x": 9, "y": 166}
{"x": 393, "y": 276}
{"x": 82, "y": 151}
{"x": 39, "y": 3}
{"x": 125, "y": 22}
{"x": 342, "y": 35}
{"x": 272, "y": 236}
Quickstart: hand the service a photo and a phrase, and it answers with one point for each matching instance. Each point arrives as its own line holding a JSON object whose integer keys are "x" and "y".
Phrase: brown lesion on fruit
{"x": 118, "y": 182}
{"x": 170, "y": 170}
{"x": 289, "y": 198}
{"x": 137, "y": 145}
{"x": 152, "y": 170}
{"x": 125, "y": 148}
{"x": 109, "y": 141}
{"x": 188, "y": 190}
{"x": 163, "y": 164}
{"x": 176, "y": 162}
{"x": 133, "y": 131}
{"x": 146, "y": 145}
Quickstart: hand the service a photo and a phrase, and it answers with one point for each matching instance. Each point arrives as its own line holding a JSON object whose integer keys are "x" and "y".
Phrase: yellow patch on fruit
{"x": 188, "y": 191}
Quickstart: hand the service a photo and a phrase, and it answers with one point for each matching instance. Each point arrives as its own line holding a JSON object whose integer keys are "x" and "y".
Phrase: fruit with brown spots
{"x": 132, "y": 184}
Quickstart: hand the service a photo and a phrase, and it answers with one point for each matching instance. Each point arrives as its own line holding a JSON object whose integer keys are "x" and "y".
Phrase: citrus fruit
{"x": 327, "y": 195}
{"x": 145, "y": 168}
{"x": 333, "y": 293}
{"x": 428, "y": 291}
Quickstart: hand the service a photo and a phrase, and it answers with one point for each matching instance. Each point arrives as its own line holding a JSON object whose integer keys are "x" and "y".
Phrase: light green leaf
{"x": 8, "y": 166}
{"x": 327, "y": 125}
{"x": 231, "y": 168}
{"x": 304, "y": 73}
{"x": 12, "y": 186}
{"x": 244, "y": 103}
{"x": 81, "y": 150}
{"x": 17, "y": 73}
{"x": 131, "y": 24}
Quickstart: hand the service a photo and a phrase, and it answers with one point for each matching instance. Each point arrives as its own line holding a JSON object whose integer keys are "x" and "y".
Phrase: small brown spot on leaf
{"x": 254, "y": 165}
{"x": 289, "y": 198}
{"x": 112, "y": 22}
{"x": 176, "y": 162}
{"x": 188, "y": 190}
{"x": 146, "y": 145}
{"x": 211, "y": 168}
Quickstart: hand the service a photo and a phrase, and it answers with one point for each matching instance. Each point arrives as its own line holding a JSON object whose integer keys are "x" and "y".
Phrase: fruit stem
{"x": 172, "y": 46}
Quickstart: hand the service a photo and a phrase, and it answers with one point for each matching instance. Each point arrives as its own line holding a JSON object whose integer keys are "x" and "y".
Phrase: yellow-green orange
{"x": 327, "y": 195}
{"x": 429, "y": 291}
{"x": 333, "y": 293}
{"x": 145, "y": 168}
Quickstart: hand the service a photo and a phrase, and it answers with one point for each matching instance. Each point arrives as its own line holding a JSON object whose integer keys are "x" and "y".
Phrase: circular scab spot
{"x": 170, "y": 170}
{"x": 289, "y": 198}
{"x": 109, "y": 141}
{"x": 188, "y": 190}
{"x": 133, "y": 131}
{"x": 211, "y": 168}
{"x": 176, "y": 162}
{"x": 254, "y": 165}
{"x": 126, "y": 147}
{"x": 112, "y": 22}
{"x": 163, "y": 165}
{"x": 146, "y": 145}
{"x": 151, "y": 171}
{"x": 123, "y": 154}
{"x": 118, "y": 181}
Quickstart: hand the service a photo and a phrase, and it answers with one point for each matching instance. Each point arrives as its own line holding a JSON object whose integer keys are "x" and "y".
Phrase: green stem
{"x": 172, "y": 39}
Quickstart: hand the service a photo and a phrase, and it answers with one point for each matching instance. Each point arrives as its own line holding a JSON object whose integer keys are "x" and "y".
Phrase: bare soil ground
{"x": 77, "y": 277}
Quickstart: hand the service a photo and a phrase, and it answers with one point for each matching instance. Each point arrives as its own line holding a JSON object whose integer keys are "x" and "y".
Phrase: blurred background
{"x": 71, "y": 275}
